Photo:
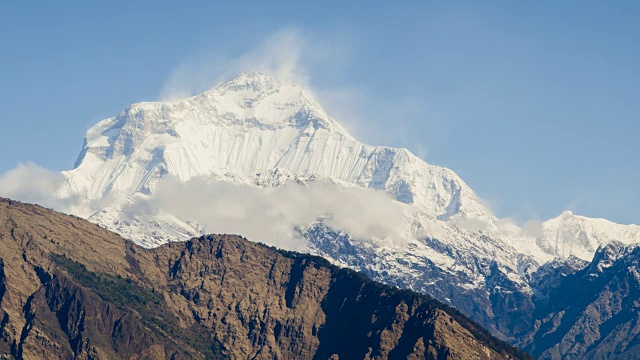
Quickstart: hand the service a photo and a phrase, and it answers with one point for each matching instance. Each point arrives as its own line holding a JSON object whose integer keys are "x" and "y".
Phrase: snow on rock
{"x": 570, "y": 234}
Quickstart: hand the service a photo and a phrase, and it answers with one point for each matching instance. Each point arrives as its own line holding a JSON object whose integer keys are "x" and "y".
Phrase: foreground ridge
{"x": 65, "y": 284}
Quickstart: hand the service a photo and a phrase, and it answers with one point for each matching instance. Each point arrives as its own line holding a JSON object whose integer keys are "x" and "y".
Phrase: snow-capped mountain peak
{"x": 254, "y": 125}
{"x": 570, "y": 234}
{"x": 268, "y": 101}
{"x": 247, "y": 126}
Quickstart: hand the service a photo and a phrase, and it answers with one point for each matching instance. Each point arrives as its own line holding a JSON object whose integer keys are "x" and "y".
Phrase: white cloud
{"x": 274, "y": 215}
{"x": 532, "y": 228}
{"x": 34, "y": 184}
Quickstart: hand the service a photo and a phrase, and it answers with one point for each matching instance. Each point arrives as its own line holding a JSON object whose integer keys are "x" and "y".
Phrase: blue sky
{"x": 535, "y": 105}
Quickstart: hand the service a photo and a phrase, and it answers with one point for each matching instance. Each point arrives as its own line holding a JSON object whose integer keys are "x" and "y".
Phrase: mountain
{"x": 571, "y": 234}
{"x": 260, "y": 157}
{"x": 589, "y": 312}
{"x": 72, "y": 290}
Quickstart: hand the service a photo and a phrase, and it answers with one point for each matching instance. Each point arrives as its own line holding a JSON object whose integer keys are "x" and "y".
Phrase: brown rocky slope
{"x": 70, "y": 289}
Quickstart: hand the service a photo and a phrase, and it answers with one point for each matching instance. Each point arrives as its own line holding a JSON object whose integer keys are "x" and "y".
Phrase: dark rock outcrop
{"x": 588, "y": 311}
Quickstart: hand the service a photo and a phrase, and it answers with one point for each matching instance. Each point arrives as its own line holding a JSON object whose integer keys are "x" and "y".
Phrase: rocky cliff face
{"x": 70, "y": 289}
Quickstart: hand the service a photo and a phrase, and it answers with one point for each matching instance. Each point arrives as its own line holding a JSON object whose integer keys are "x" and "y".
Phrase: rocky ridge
{"x": 70, "y": 289}
{"x": 589, "y": 311}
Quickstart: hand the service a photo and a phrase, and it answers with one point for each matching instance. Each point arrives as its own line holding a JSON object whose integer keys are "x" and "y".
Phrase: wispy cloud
{"x": 307, "y": 60}
{"x": 287, "y": 54}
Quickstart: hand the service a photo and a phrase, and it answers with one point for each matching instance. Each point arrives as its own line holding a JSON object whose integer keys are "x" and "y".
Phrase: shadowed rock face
{"x": 70, "y": 289}
{"x": 589, "y": 310}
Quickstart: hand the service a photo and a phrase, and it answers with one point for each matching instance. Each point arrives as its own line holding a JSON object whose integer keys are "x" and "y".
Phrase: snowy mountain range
{"x": 217, "y": 162}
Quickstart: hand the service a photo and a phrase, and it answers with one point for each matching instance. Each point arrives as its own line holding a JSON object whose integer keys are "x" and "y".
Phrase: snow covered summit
{"x": 250, "y": 125}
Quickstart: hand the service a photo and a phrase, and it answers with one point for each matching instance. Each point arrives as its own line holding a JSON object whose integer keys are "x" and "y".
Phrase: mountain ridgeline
{"x": 70, "y": 289}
